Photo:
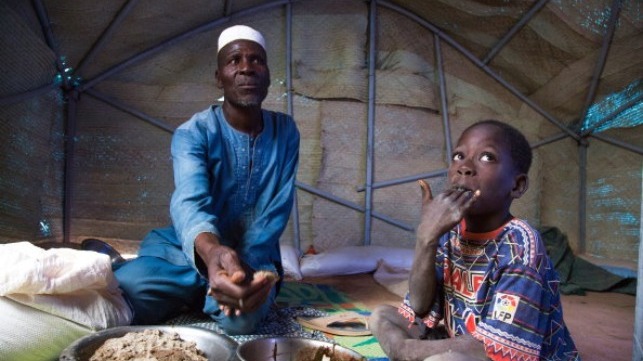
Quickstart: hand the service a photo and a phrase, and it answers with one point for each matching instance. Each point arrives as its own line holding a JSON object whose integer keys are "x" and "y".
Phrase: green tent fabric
{"x": 578, "y": 275}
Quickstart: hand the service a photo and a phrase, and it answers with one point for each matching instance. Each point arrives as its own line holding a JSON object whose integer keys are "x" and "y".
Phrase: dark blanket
{"x": 578, "y": 275}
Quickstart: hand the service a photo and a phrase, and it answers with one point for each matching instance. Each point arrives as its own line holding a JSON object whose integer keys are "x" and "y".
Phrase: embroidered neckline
{"x": 483, "y": 237}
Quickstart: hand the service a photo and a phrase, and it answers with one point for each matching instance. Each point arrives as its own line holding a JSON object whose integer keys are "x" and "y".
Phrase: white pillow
{"x": 290, "y": 261}
{"x": 73, "y": 284}
{"x": 354, "y": 260}
{"x": 394, "y": 279}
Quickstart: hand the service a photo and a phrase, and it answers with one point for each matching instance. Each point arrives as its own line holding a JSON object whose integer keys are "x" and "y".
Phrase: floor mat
{"x": 327, "y": 300}
{"x": 297, "y": 299}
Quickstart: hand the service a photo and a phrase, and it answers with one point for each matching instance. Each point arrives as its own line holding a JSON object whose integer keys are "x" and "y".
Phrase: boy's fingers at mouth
{"x": 471, "y": 198}
{"x": 426, "y": 190}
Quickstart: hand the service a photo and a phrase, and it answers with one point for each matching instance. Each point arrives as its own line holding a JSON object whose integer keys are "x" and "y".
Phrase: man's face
{"x": 243, "y": 74}
{"x": 482, "y": 160}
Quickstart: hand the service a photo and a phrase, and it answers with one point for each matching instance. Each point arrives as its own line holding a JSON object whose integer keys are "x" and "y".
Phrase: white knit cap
{"x": 240, "y": 32}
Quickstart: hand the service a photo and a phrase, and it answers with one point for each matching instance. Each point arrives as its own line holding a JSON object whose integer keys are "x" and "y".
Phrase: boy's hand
{"x": 443, "y": 212}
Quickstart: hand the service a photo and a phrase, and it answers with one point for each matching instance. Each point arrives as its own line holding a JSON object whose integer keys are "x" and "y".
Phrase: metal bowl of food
{"x": 213, "y": 346}
{"x": 295, "y": 349}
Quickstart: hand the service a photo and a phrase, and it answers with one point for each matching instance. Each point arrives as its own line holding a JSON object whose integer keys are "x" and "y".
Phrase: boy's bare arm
{"x": 422, "y": 279}
{"x": 400, "y": 342}
{"x": 439, "y": 215}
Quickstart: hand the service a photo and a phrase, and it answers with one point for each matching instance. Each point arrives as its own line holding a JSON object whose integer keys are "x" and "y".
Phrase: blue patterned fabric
{"x": 502, "y": 288}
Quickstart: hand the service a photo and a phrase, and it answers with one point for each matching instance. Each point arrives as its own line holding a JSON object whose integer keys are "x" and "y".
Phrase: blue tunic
{"x": 227, "y": 183}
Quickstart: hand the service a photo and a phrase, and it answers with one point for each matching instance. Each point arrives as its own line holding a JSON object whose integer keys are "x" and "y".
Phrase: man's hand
{"x": 443, "y": 212}
{"x": 231, "y": 282}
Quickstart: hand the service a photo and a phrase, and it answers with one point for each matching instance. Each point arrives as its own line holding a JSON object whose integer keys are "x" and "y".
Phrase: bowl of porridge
{"x": 162, "y": 343}
{"x": 294, "y": 349}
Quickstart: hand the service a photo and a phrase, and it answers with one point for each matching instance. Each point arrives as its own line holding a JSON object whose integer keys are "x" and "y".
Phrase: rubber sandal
{"x": 96, "y": 245}
{"x": 341, "y": 324}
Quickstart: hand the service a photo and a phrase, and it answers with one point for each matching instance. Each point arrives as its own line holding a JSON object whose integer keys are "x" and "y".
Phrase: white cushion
{"x": 73, "y": 284}
{"x": 354, "y": 260}
{"x": 290, "y": 261}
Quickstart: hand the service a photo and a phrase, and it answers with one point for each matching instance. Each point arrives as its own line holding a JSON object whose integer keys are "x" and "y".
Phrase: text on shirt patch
{"x": 504, "y": 307}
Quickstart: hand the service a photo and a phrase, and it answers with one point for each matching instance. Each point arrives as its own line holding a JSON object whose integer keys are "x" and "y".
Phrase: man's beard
{"x": 247, "y": 103}
{"x": 248, "y": 100}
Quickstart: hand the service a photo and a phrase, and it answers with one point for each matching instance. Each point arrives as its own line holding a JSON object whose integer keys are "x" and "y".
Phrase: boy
{"x": 482, "y": 271}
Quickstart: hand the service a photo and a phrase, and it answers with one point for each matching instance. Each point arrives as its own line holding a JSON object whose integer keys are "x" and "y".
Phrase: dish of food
{"x": 295, "y": 349}
{"x": 184, "y": 340}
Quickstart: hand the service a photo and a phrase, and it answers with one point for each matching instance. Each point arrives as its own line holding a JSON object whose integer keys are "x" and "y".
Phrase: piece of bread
{"x": 271, "y": 276}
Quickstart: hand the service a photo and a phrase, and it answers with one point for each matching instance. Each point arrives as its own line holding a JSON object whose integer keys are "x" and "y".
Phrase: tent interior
{"x": 380, "y": 90}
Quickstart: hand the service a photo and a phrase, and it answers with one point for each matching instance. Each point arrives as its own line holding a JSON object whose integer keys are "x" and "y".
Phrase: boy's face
{"x": 482, "y": 161}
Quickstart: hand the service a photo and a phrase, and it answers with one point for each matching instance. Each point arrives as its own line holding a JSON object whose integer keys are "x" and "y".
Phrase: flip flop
{"x": 341, "y": 324}
{"x": 96, "y": 245}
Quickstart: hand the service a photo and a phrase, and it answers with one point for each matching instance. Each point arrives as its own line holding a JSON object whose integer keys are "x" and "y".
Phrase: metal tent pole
{"x": 351, "y": 205}
{"x": 602, "y": 58}
{"x": 43, "y": 18}
{"x": 127, "y": 109}
{"x": 175, "y": 40}
{"x": 514, "y": 29}
{"x": 582, "y": 194}
{"x": 295, "y": 206}
{"x": 637, "y": 340}
{"x": 107, "y": 34}
{"x": 582, "y": 144}
{"x": 71, "y": 97}
{"x": 70, "y": 136}
{"x": 457, "y": 46}
{"x": 88, "y": 85}
{"x": 618, "y": 143}
{"x": 613, "y": 114}
{"x": 443, "y": 99}
{"x": 551, "y": 139}
{"x": 402, "y": 180}
{"x": 370, "y": 132}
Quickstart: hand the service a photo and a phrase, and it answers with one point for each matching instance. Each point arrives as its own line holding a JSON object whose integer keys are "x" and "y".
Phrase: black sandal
{"x": 96, "y": 245}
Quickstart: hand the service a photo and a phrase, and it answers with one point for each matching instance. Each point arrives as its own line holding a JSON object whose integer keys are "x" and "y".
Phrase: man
{"x": 234, "y": 174}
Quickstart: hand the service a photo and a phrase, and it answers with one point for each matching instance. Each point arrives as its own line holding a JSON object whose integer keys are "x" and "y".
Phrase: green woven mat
{"x": 329, "y": 300}
{"x": 297, "y": 299}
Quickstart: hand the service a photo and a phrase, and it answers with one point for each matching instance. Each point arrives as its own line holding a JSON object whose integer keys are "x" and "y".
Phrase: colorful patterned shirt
{"x": 501, "y": 288}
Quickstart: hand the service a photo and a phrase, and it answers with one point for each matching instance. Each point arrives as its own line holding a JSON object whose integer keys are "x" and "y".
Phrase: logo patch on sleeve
{"x": 504, "y": 307}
